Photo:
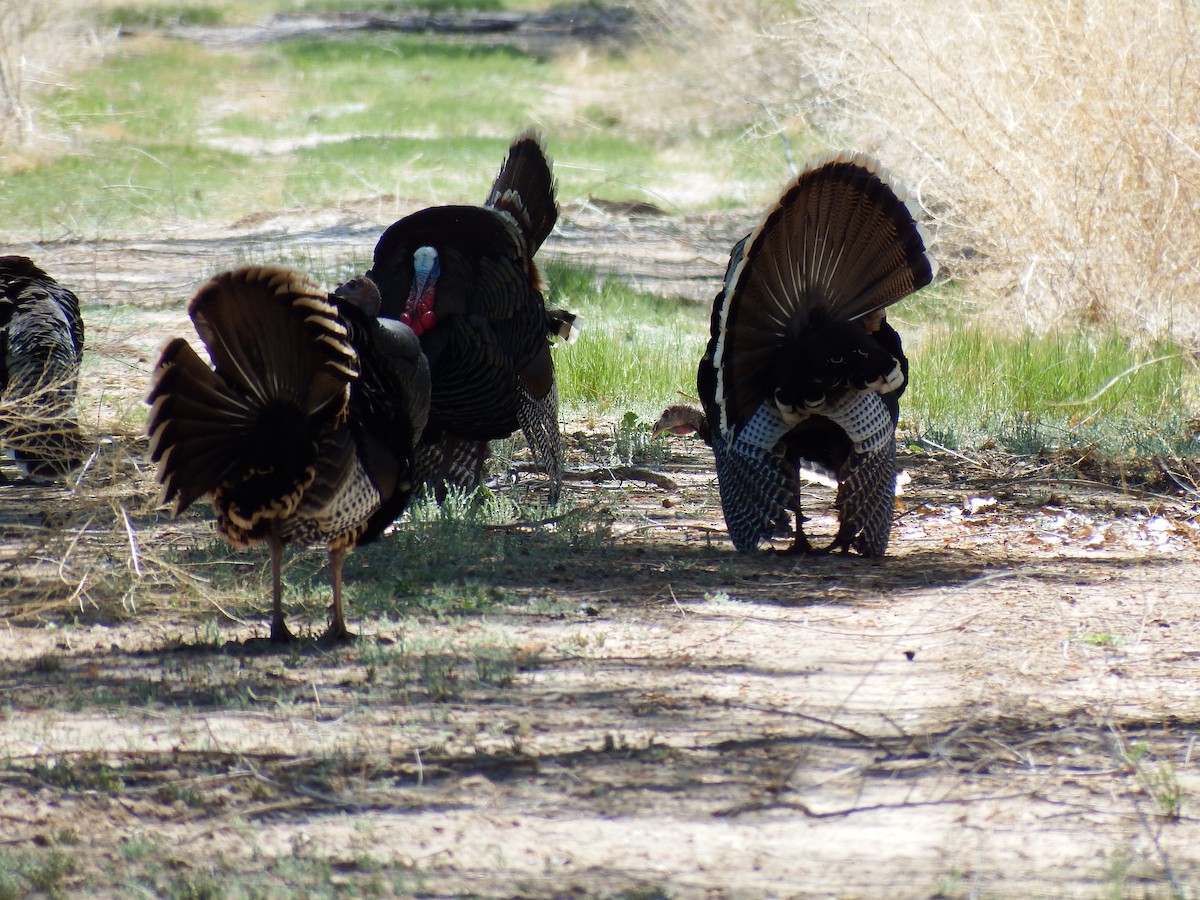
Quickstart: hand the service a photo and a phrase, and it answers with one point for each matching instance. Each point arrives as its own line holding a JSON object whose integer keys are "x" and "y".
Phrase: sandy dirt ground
{"x": 1003, "y": 706}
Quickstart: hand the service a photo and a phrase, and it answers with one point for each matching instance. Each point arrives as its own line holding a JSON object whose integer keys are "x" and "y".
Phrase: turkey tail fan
{"x": 273, "y": 333}
{"x": 524, "y": 188}
{"x": 842, "y": 242}
{"x": 282, "y": 368}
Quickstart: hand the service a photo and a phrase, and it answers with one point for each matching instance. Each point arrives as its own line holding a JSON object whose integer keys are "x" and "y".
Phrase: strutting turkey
{"x": 802, "y": 369}
{"x": 305, "y": 427}
{"x": 41, "y": 344}
{"x": 465, "y": 279}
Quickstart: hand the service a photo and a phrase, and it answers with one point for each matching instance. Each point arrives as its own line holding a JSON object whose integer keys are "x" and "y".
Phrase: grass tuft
{"x": 1064, "y": 389}
{"x": 637, "y": 351}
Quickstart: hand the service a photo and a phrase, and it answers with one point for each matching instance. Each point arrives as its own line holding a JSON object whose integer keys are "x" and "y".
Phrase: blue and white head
{"x": 419, "y": 311}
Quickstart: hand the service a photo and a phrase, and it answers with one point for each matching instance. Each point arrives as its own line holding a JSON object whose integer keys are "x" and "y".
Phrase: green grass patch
{"x": 117, "y": 184}
{"x": 171, "y": 130}
{"x": 392, "y": 84}
{"x": 175, "y": 130}
{"x": 165, "y": 16}
{"x": 637, "y": 351}
{"x": 1031, "y": 393}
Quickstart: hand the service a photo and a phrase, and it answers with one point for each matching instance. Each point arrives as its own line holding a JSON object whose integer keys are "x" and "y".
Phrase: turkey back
{"x": 841, "y": 243}
{"x": 250, "y": 427}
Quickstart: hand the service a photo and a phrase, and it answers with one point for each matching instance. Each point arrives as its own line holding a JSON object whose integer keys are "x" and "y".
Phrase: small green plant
{"x": 185, "y": 794}
{"x": 1162, "y": 784}
{"x": 140, "y": 847}
{"x": 86, "y": 772}
{"x": 495, "y": 665}
{"x": 1157, "y": 777}
{"x": 34, "y": 873}
{"x": 438, "y": 670}
{"x": 196, "y": 886}
{"x": 632, "y": 442}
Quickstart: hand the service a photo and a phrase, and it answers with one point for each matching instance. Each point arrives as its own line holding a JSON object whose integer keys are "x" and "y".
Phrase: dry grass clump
{"x": 75, "y": 544}
{"x": 1057, "y": 145}
{"x": 39, "y": 40}
{"x": 39, "y": 424}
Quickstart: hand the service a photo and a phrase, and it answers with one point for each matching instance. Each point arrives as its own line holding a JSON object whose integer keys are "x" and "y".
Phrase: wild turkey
{"x": 465, "y": 279}
{"x": 41, "y": 344}
{"x": 304, "y": 430}
{"x": 802, "y": 369}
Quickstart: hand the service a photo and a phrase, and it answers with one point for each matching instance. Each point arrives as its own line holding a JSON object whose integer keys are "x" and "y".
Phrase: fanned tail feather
{"x": 842, "y": 242}
{"x": 283, "y": 366}
{"x": 524, "y": 188}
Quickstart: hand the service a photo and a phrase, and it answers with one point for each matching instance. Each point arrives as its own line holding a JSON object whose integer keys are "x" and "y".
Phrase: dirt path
{"x": 1005, "y": 705}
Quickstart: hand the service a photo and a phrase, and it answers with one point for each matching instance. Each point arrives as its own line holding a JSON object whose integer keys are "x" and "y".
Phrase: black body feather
{"x": 488, "y": 332}
{"x": 802, "y": 368}
{"x": 41, "y": 345}
{"x": 305, "y": 426}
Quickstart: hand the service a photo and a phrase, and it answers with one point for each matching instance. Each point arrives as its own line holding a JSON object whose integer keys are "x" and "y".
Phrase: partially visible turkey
{"x": 465, "y": 279}
{"x": 305, "y": 427}
{"x": 41, "y": 344}
{"x": 802, "y": 369}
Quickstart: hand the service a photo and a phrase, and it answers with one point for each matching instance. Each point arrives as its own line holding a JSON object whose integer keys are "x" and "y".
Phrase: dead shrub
{"x": 1056, "y": 145}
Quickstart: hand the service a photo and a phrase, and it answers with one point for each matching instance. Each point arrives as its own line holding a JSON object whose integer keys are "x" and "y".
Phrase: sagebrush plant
{"x": 1056, "y": 146}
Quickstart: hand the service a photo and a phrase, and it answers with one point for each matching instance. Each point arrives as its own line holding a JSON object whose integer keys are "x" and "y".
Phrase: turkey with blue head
{"x": 303, "y": 429}
{"x": 41, "y": 346}
{"x": 802, "y": 370}
{"x": 465, "y": 279}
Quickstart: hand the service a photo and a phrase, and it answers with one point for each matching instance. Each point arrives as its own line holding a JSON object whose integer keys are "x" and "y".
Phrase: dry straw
{"x": 38, "y": 38}
{"x": 1056, "y": 145}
